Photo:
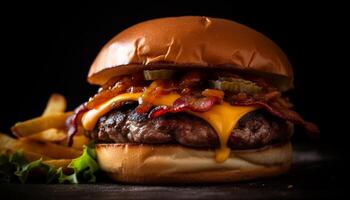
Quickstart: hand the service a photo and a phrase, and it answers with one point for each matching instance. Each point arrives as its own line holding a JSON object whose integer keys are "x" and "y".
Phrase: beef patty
{"x": 256, "y": 129}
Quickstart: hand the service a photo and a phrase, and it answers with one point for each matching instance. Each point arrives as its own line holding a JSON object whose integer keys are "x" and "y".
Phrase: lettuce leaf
{"x": 23, "y": 172}
{"x": 63, "y": 178}
{"x": 6, "y": 170}
{"x": 84, "y": 168}
{"x": 16, "y": 167}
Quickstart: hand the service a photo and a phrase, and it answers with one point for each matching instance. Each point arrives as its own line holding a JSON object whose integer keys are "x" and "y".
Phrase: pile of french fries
{"x": 45, "y": 136}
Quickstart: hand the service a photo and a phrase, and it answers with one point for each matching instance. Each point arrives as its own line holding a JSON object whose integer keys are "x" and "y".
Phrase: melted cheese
{"x": 90, "y": 118}
{"x": 222, "y": 117}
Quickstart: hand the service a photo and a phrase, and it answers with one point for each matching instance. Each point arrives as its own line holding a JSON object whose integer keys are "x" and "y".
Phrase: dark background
{"x": 49, "y": 48}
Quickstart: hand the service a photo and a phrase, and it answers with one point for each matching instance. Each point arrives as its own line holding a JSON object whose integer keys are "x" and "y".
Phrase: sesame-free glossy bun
{"x": 191, "y": 42}
{"x": 153, "y": 164}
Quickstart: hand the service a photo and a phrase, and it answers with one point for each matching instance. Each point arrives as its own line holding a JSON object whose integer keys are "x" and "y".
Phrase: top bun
{"x": 191, "y": 42}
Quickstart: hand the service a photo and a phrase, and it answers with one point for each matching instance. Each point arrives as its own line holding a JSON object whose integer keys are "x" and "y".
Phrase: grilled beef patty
{"x": 254, "y": 130}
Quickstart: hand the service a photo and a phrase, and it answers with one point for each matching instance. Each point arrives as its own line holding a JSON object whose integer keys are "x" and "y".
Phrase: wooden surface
{"x": 316, "y": 173}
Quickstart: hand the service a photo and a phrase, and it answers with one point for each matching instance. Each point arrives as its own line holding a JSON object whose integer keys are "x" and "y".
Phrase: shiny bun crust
{"x": 168, "y": 164}
{"x": 191, "y": 42}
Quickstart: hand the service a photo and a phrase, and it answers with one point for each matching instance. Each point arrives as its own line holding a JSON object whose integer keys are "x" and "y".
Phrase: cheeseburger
{"x": 190, "y": 100}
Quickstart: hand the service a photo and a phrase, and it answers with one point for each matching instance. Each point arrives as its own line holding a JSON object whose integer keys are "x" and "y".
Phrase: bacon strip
{"x": 282, "y": 112}
{"x": 191, "y": 79}
{"x": 213, "y": 93}
{"x": 73, "y": 121}
{"x": 186, "y": 103}
{"x": 156, "y": 88}
{"x": 114, "y": 87}
{"x": 203, "y": 104}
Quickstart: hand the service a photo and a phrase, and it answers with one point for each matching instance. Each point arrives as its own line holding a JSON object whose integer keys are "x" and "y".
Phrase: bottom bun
{"x": 132, "y": 163}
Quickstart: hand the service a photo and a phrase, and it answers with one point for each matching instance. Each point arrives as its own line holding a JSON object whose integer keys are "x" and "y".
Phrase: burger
{"x": 190, "y": 100}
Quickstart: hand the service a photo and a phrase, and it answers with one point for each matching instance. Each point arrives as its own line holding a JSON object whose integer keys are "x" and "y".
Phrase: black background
{"x": 49, "y": 48}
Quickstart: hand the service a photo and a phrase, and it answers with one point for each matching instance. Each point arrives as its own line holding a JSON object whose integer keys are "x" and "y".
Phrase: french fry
{"x": 79, "y": 141}
{"x": 44, "y": 149}
{"x": 49, "y": 135}
{"x": 56, "y": 104}
{"x": 60, "y": 163}
{"x": 57, "y": 163}
{"x": 6, "y": 140}
{"x": 36, "y": 136}
{"x": 49, "y": 149}
{"x": 32, "y": 126}
{"x": 30, "y": 156}
{"x": 8, "y": 145}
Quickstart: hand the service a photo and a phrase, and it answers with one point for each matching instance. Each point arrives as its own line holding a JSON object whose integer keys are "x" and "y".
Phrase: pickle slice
{"x": 235, "y": 85}
{"x": 158, "y": 74}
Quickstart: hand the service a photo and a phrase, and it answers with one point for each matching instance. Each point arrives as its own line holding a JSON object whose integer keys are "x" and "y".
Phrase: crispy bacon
{"x": 191, "y": 79}
{"x": 134, "y": 89}
{"x": 284, "y": 102}
{"x": 186, "y": 103}
{"x": 268, "y": 96}
{"x": 110, "y": 83}
{"x": 114, "y": 87}
{"x": 156, "y": 88}
{"x": 105, "y": 94}
{"x": 282, "y": 112}
{"x": 213, "y": 93}
{"x": 73, "y": 122}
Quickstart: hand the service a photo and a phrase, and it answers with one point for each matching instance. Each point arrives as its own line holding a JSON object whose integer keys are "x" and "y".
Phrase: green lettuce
{"x": 6, "y": 170}
{"x": 15, "y": 168}
{"x": 84, "y": 168}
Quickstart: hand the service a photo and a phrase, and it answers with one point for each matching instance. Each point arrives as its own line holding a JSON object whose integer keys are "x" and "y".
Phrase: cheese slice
{"x": 222, "y": 117}
{"x": 90, "y": 118}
